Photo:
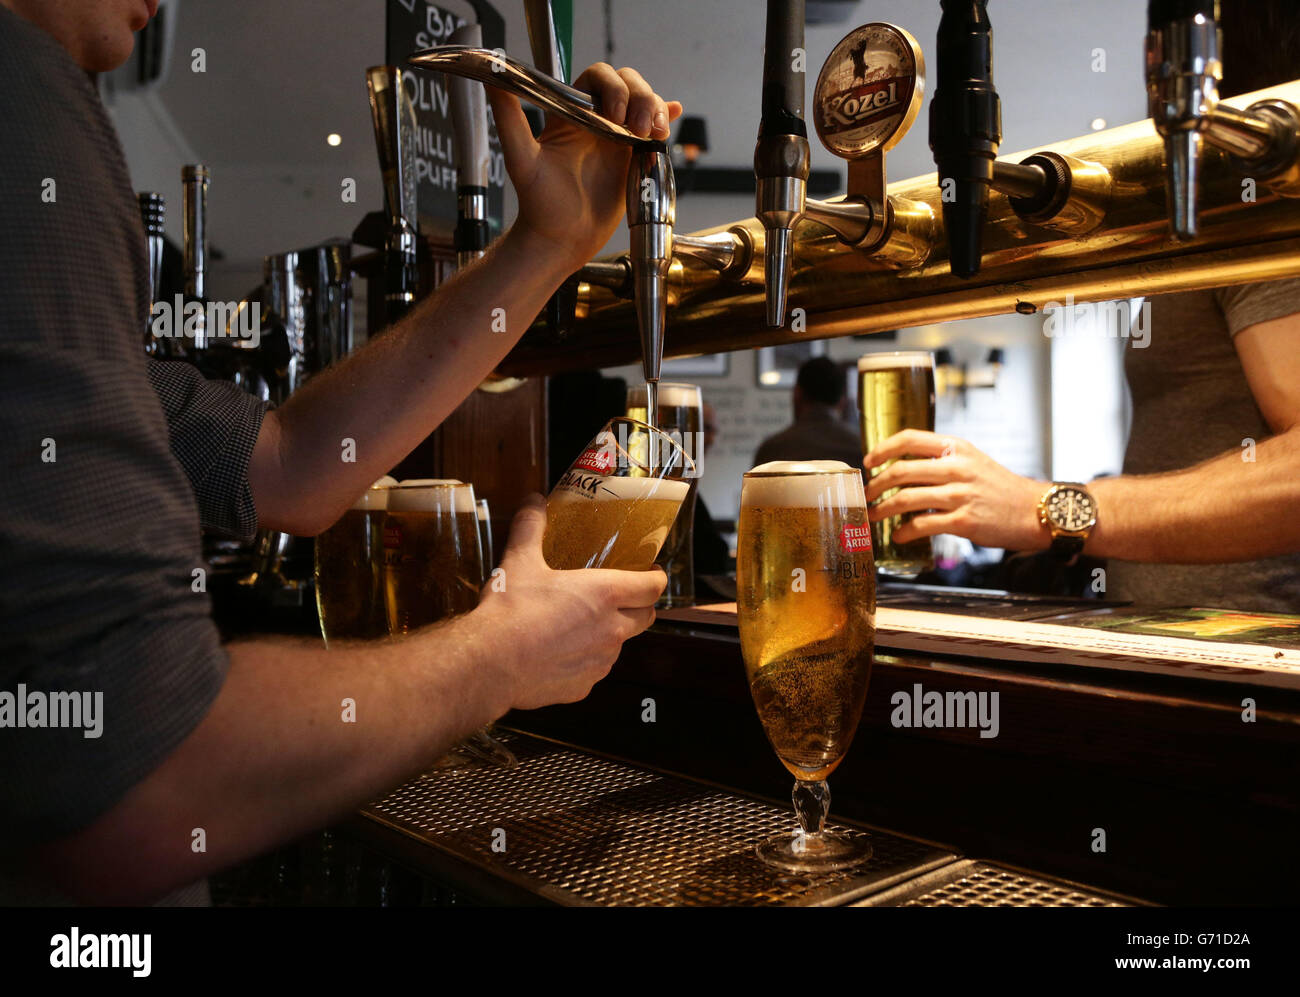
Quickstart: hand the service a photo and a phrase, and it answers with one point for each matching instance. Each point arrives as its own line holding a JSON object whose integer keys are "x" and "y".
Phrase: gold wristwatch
{"x": 1070, "y": 512}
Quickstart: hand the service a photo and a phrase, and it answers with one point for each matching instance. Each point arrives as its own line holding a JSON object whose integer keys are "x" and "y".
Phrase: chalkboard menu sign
{"x": 417, "y": 24}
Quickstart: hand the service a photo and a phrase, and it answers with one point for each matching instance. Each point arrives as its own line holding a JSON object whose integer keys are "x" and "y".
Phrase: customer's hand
{"x": 571, "y": 183}
{"x": 959, "y": 490}
{"x": 561, "y": 630}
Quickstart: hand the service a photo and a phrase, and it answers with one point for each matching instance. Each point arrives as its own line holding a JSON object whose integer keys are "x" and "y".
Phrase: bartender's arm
{"x": 1223, "y": 509}
{"x": 394, "y": 392}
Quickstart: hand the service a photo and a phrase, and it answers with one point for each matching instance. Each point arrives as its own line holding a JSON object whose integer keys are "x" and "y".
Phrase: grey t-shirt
{"x": 110, "y": 465}
{"x": 1191, "y": 402}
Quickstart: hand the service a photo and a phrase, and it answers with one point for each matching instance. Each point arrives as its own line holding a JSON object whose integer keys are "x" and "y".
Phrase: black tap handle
{"x": 783, "y": 85}
{"x": 965, "y": 127}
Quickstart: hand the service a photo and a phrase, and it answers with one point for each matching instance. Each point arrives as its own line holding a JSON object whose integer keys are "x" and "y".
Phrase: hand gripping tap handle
{"x": 651, "y": 193}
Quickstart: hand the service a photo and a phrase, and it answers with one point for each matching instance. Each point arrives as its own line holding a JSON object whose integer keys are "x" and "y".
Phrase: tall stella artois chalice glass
{"x": 805, "y": 601}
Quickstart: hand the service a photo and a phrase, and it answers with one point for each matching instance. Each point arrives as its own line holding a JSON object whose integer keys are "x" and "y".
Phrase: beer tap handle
{"x": 470, "y": 124}
{"x": 505, "y": 73}
{"x": 153, "y": 212}
{"x": 394, "y": 121}
{"x": 781, "y": 155}
{"x": 867, "y": 95}
{"x": 965, "y": 127}
{"x": 194, "y": 207}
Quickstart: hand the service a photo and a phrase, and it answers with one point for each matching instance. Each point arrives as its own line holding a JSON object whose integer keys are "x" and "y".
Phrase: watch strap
{"x": 1065, "y": 547}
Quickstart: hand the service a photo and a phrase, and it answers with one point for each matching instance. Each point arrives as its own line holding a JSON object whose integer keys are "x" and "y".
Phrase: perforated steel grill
{"x": 984, "y": 884}
{"x": 581, "y": 829}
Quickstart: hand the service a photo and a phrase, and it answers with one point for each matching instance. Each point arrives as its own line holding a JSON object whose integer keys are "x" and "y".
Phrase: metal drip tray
{"x": 574, "y": 828}
{"x": 971, "y": 883}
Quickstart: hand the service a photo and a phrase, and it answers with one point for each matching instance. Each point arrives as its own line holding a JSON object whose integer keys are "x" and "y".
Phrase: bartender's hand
{"x": 972, "y": 495}
{"x": 563, "y": 629}
{"x": 571, "y": 184}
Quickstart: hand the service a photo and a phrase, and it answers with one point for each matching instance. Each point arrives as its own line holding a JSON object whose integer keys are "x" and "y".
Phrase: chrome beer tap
{"x": 153, "y": 213}
{"x": 393, "y": 117}
{"x": 651, "y": 193}
{"x": 1183, "y": 70}
{"x": 194, "y": 206}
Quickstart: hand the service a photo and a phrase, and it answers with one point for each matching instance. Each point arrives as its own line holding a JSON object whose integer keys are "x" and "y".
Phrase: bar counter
{"x": 1104, "y": 784}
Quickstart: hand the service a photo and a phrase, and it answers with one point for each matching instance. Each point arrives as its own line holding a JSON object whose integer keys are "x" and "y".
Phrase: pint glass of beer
{"x": 805, "y": 602}
{"x": 615, "y": 505}
{"x": 349, "y": 570}
{"x": 433, "y": 563}
{"x": 681, "y": 416}
{"x": 896, "y": 392}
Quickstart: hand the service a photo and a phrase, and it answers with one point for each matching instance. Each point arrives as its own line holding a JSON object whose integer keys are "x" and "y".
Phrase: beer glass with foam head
{"x": 805, "y": 602}
{"x": 681, "y": 416}
{"x": 349, "y": 570}
{"x": 615, "y": 505}
{"x": 433, "y": 561}
{"x": 896, "y": 392}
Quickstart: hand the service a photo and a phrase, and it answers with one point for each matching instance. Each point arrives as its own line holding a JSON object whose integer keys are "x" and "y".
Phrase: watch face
{"x": 1071, "y": 509}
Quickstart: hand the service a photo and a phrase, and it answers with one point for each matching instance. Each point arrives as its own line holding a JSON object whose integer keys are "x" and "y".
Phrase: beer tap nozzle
{"x": 1182, "y": 75}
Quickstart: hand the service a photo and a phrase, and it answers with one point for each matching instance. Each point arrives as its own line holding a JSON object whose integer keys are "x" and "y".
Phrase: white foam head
{"x": 432, "y": 495}
{"x": 803, "y": 484}
{"x": 890, "y": 361}
{"x": 481, "y": 507}
{"x": 376, "y": 496}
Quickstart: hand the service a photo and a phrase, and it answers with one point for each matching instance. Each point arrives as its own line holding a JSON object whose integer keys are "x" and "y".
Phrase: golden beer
{"x": 681, "y": 416}
{"x": 805, "y": 600}
{"x": 615, "y": 505}
{"x": 433, "y": 562}
{"x": 349, "y": 570}
{"x": 896, "y": 392}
